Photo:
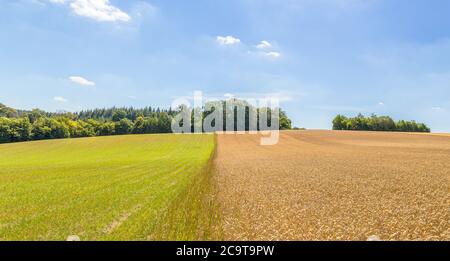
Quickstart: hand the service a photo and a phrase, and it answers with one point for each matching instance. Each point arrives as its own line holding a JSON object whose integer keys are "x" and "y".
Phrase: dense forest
{"x": 22, "y": 125}
{"x": 377, "y": 123}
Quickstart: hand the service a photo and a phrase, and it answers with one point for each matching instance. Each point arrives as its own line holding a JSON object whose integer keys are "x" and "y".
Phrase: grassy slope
{"x": 136, "y": 187}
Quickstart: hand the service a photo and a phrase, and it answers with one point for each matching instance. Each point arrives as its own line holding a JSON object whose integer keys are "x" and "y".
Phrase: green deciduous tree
{"x": 124, "y": 126}
{"x": 377, "y": 123}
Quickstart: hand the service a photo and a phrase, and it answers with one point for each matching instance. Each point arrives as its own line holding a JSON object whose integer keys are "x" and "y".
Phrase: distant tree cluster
{"x": 20, "y": 125}
{"x": 377, "y": 123}
{"x": 234, "y": 104}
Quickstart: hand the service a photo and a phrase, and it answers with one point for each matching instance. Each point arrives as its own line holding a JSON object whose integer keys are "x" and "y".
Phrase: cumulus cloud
{"x": 81, "y": 81}
{"x": 59, "y": 99}
{"x": 264, "y": 48}
{"x": 227, "y": 40}
{"x": 273, "y": 54}
{"x": 100, "y": 10}
{"x": 264, "y": 45}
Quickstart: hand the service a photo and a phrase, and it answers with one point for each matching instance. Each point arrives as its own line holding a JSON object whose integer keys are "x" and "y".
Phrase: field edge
{"x": 195, "y": 213}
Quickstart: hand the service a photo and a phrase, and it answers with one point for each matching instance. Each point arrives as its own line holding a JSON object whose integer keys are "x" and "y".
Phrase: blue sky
{"x": 320, "y": 57}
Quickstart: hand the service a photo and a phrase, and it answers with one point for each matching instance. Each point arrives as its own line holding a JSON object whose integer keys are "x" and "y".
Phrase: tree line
{"x": 233, "y": 105}
{"x": 22, "y": 125}
{"x": 377, "y": 123}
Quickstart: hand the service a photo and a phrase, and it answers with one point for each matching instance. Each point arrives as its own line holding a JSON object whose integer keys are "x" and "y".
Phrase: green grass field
{"x": 139, "y": 187}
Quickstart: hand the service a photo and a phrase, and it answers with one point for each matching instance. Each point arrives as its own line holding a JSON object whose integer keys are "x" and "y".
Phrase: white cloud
{"x": 381, "y": 103}
{"x": 227, "y": 40}
{"x": 264, "y": 45}
{"x": 100, "y": 10}
{"x": 437, "y": 108}
{"x": 273, "y": 54}
{"x": 132, "y": 97}
{"x": 82, "y": 81}
{"x": 59, "y": 99}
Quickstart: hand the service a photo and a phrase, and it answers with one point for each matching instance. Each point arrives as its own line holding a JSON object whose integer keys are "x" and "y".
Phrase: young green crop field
{"x": 139, "y": 187}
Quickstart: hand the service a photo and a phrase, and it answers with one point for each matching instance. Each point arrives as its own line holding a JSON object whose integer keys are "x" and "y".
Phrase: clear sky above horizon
{"x": 319, "y": 57}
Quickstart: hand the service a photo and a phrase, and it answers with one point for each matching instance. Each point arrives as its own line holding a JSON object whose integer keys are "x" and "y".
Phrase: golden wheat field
{"x": 330, "y": 185}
